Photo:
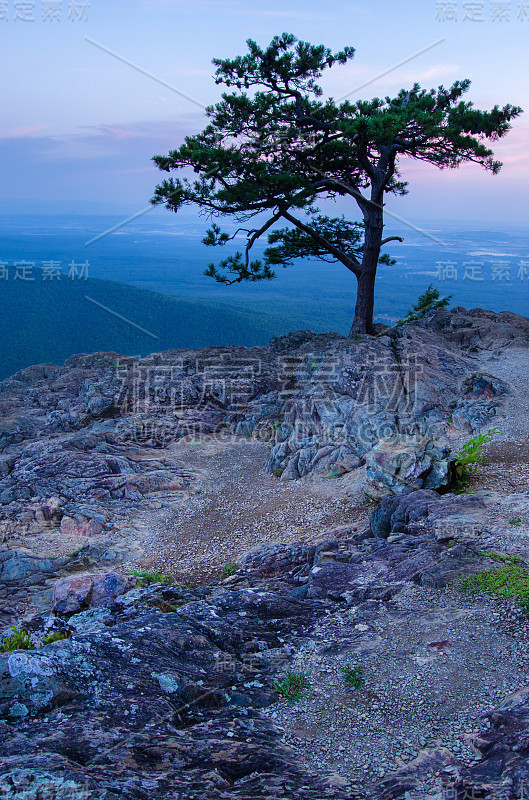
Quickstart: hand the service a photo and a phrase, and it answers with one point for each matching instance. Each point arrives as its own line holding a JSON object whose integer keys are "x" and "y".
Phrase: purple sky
{"x": 78, "y": 126}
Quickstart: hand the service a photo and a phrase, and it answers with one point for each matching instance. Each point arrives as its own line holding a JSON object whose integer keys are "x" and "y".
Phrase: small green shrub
{"x": 354, "y": 676}
{"x": 313, "y": 364}
{"x": 277, "y": 472}
{"x": 516, "y": 521}
{"x": 469, "y": 458}
{"x": 229, "y": 570}
{"x": 431, "y": 300}
{"x": 145, "y": 578}
{"x": 293, "y": 686}
{"x": 19, "y": 640}
{"x": 56, "y": 637}
{"x": 510, "y": 581}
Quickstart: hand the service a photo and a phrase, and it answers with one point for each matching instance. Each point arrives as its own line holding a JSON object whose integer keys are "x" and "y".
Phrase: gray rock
{"x": 404, "y": 461}
{"x": 31, "y": 683}
{"x": 164, "y": 700}
{"x": 480, "y": 329}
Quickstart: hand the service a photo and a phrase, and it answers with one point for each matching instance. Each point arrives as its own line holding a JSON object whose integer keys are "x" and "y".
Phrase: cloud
{"x": 94, "y": 166}
{"x": 112, "y": 163}
{"x": 122, "y": 143}
{"x": 20, "y": 132}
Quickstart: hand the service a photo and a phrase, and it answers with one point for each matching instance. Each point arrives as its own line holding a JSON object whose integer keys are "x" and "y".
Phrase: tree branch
{"x": 257, "y": 233}
{"x": 350, "y": 262}
{"x": 347, "y": 188}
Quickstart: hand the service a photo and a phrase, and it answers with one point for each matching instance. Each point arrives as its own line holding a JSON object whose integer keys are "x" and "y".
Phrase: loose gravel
{"x": 235, "y": 505}
{"x": 434, "y": 663}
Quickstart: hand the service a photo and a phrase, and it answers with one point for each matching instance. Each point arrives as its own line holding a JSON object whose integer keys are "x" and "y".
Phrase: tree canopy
{"x": 274, "y": 148}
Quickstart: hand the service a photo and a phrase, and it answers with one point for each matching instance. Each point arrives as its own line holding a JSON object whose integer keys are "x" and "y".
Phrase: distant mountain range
{"x": 151, "y": 272}
{"x": 49, "y": 319}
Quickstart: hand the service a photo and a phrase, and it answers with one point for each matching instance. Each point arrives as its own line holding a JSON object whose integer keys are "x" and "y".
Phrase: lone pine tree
{"x": 271, "y": 153}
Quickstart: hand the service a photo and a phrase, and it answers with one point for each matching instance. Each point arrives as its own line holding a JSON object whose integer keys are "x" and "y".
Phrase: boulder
{"x": 72, "y": 594}
{"x": 405, "y": 461}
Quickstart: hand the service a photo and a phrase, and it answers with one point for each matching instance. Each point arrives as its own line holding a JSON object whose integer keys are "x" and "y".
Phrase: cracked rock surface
{"x": 171, "y": 691}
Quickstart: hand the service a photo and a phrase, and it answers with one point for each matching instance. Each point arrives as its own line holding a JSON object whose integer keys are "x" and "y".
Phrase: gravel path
{"x": 434, "y": 662}
{"x": 506, "y": 467}
{"x": 512, "y": 366}
{"x": 236, "y": 506}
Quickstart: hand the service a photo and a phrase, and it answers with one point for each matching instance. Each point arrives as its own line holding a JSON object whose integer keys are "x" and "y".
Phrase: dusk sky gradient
{"x": 78, "y": 127}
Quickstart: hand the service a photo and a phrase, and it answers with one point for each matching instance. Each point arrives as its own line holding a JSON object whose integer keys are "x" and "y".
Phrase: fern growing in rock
{"x": 19, "y": 640}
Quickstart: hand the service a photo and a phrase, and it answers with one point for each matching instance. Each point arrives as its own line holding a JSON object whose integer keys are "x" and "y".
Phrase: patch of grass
{"x": 58, "y": 636}
{"x": 524, "y": 605}
{"x": 145, "y": 578}
{"x": 516, "y": 521}
{"x": 229, "y": 569}
{"x": 469, "y": 458}
{"x": 19, "y": 640}
{"x": 166, "y": 607}
{"x": 277, "y": 472}
{"x": 293, "y": 686}
{"x": 354, "y": 676}
{"x": 501, "y": 557}
{"x": 510, "y": 581}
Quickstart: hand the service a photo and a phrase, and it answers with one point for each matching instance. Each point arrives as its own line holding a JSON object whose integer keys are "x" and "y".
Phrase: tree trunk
{"x": 365, "y": 300}
{"x": 365, "y": 297}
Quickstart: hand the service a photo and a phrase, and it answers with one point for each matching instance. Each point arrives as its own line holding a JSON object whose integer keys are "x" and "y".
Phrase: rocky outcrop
{"x": 83, "y": 445}
{"x": 383, "y": 403}
{"x": 160, "y": 692}
{"x": 165, "y": 692}
{"x": 404, "y": 461}
{"x": 479, "y": 329}
{"x": 72, "y": 433}
{"x": 166, "y": 703}
{"x": 503, "y": 771}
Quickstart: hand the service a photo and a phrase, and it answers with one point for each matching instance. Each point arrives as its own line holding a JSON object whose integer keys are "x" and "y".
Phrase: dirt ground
{"x": 235, "y": 505}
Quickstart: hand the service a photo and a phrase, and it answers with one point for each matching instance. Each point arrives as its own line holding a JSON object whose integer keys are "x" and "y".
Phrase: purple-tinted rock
{"x": 90, "y": 590}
